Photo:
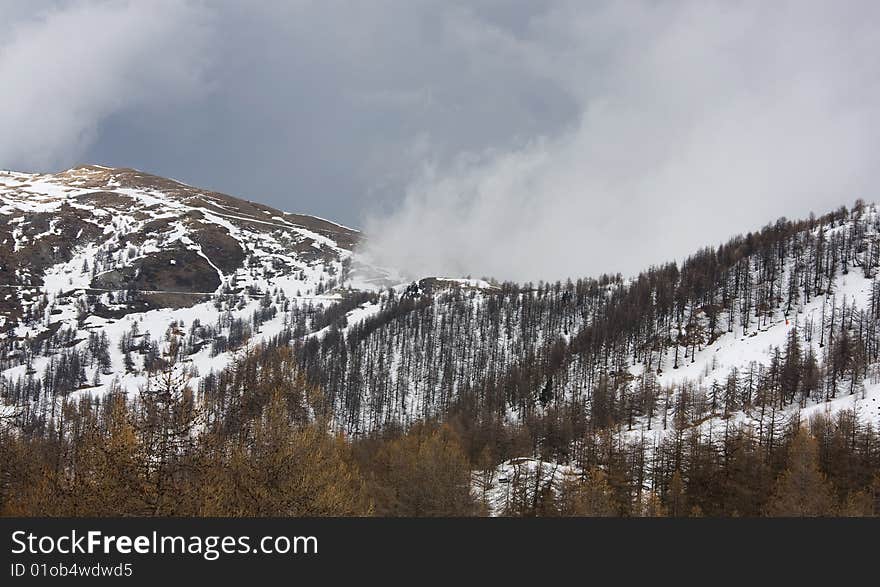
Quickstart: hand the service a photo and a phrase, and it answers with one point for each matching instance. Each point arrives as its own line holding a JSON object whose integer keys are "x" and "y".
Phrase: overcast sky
{"x": 513, "y": 138}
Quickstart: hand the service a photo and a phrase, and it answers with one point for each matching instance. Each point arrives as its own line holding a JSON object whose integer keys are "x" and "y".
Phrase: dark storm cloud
{"x": 324, "y": 107}
{"x": 520, "y": 139}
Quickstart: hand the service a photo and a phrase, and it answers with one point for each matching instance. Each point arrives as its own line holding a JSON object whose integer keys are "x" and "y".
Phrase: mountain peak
{"x": 98, "y": 230}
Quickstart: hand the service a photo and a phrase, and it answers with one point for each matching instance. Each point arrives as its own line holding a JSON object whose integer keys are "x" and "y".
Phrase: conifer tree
{"x": 802, "y": 490}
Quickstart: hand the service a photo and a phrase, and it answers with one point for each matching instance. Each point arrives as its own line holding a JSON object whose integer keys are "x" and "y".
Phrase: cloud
{"x": 317, "y": 107}
{"x": 328, "y": 107}
{"x": 519, "y": 139}
{"x": 697, "y": 120}
{"x": 66, "y": 66}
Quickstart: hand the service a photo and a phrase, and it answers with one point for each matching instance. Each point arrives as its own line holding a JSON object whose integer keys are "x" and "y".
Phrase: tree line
{"x": 169, "y": 451}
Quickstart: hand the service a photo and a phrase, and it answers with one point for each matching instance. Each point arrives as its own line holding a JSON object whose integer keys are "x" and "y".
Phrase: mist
{"x": 696, "y": 121}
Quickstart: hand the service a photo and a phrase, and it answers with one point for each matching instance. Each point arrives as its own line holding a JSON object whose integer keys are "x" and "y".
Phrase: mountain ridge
{"x": 143, "y": 260}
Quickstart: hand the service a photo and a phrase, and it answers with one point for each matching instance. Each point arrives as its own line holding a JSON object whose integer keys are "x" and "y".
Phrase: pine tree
{"x": 285, "y": 470}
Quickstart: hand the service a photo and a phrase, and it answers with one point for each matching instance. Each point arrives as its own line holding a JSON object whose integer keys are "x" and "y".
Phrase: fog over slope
{"x": 695, "y": 122}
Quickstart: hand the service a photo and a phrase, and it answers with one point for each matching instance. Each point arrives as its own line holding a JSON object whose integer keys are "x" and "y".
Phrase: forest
{"x": 171, "y": 452}
{"x": 401, "y": 413}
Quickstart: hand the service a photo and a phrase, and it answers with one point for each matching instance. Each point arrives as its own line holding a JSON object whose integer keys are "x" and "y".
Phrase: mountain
{"x": 114, "y": 279}
{"x": 117, "y": 254}
{"x": 96, "y": 250}
{"x": 121, "y": 259}
{"x": 135, "y": 230}
{"x": 783, "y": 319}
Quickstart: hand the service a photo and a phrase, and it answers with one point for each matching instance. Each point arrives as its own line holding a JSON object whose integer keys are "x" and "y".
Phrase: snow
{"x": 864, "y": 403}
{"x": 495, "y": 487}
{"x": 271, "y": 264}
{"x": 734, "y": 350}
{"x": 473, "y": 283}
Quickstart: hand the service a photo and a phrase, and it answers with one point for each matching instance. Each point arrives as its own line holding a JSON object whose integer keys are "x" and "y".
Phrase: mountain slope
{"x": 126, "y": 219}
{"x": 110, "y": 275}
{"x": 776, "y": 321}
{"x": 96, "y": 251}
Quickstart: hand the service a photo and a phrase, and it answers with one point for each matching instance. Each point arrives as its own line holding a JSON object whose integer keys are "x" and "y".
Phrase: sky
{"x": 507, "y": 138}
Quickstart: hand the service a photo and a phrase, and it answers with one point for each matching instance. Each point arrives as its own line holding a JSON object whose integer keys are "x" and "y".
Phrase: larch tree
{"x": 802, "y": 490}
{"x": 590, "y": 496}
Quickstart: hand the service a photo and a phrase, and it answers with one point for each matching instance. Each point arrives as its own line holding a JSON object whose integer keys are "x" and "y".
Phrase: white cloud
{"x": 64, "y": 69}
{"x": 698, "y": 120}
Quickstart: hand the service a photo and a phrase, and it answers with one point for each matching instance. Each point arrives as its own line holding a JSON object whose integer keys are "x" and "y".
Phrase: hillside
{"x": 721, "y": 327}
{"x": 95, "y": 252}
{"x": 119, "y": 259}
{"x": 114, "y": 279}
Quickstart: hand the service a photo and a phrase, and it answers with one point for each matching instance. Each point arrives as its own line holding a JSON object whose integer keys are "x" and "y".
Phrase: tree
{"x": 791, "y": 372}
{"x": 421, "y": 474}
{"x": 110, "y": 471}
{"x": 169, "y": 415}
{"x": 590, "y": 496}
{"x": 802, "y": 489}
{"x": 676, "y": 499}
{"x": 286, "y": 470}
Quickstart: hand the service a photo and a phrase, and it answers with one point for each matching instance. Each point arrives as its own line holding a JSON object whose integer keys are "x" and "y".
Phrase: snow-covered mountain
{"x": 131, "y": 229}
{"x": 108, "y": 273}
{"x": 103, "y": 252}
